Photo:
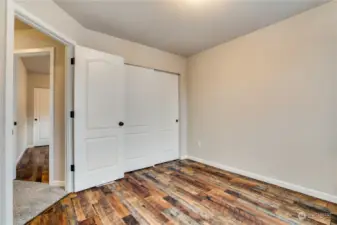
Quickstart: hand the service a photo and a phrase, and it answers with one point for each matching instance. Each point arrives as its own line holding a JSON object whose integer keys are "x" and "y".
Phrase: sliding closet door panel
{"x": 139, "y": 123}
{"x": 166, "y": 127}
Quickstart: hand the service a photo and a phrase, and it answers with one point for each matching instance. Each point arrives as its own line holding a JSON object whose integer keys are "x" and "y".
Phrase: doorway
{"x": 39, "y": 121}
{"x": 33, "y": 133}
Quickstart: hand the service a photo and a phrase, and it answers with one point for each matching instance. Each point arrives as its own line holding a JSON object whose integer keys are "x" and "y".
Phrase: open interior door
{"x": 99, "y": 116}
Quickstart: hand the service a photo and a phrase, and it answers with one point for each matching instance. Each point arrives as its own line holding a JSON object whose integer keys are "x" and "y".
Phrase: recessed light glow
{"x": 195, "y": 2}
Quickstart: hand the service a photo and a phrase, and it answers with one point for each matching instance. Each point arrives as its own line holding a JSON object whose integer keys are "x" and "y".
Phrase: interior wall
{"x": 34, "y": 81}
{"x": 266, "y": 102}
{"x": 21, "y": 108}
{"x": 31, "y": 38}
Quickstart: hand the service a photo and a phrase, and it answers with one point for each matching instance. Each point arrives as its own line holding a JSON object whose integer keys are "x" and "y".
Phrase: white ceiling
{"x": 184, "y": 27}
{"x": 37, "y": 64}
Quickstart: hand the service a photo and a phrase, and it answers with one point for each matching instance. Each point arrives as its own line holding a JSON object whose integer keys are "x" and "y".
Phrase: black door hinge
{"x": 72, "y": 114}
{"x": 72, "y": 61}
{"x": 72, "y": 168}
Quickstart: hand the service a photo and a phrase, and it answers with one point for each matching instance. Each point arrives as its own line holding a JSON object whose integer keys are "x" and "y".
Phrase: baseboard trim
{"x": 290, "y": 186}
{"x": 183, "y": 157}
{"x": 57, "y": 183}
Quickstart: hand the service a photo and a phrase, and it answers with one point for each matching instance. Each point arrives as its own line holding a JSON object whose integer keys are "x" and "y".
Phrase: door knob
{"x": 121, "y": 124}
{"x": 35, "y": 119}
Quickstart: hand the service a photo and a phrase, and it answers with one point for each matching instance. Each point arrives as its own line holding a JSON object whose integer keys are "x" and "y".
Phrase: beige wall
{"x": 266, "y": 102}
{"x": 20, "y": 114}
{"x": 32, "y": 38}
{"x": 34, "y": 81}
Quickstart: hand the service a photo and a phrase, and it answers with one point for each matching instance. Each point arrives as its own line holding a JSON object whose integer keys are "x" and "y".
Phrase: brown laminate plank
{"x": 34, "y": 165}
{"x": 184, "y": 192}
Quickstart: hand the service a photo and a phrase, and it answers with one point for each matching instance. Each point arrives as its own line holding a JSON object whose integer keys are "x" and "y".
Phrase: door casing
{"x": 16, "y": 11}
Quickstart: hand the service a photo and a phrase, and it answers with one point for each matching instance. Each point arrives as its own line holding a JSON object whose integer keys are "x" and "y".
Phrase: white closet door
{"x": 99, "y": 113}
{"x": 140, "y": 114}
{"x": 152, "y": 108}
{"x": 166, "y": 127}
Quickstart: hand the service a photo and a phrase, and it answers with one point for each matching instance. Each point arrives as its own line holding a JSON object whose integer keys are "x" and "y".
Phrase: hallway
{"x": 34, "y": 165}
{"x": 32, "y": 192}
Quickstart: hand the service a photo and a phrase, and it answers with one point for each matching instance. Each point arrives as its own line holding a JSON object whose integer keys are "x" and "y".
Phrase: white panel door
{"x": 99, "y": 116}
{"x": 41, "y": 116}
{"x": 166, "y": 126}
{"x": 139, "y": 121}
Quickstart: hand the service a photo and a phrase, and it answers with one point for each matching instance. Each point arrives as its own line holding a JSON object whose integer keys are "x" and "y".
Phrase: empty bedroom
{"x": 170, "y": 112}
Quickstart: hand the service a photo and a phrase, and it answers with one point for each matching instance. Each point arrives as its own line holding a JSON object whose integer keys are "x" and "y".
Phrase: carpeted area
{"x": 31, "y": 198}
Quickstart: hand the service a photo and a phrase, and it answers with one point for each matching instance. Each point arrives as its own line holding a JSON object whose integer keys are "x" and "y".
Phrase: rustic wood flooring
{"x": 34, "y": 165}
{"x": 186, "y": 192}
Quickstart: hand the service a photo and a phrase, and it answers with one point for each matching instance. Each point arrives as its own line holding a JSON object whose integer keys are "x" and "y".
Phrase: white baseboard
{"x": 30, "y": 146}
{"x": 183, "y": 157}
{"x": 290, "y": 186}
{"x": 57, "y": 183}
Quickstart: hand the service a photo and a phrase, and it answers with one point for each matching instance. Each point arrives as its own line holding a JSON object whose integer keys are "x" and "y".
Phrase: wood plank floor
{"x": 34, "y": 165}
{"x": 186, "y": 192}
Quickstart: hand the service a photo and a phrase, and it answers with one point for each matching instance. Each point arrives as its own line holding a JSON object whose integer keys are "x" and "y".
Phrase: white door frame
{"x": 40, "y": 25}
{"x": 45, "y": 52}
{"x": 6, "y": 83}
{"x": 13, "y": 10}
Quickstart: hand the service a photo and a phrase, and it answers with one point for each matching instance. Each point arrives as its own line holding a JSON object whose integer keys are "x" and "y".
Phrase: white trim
{"x": 51, "y": 52}
{"x": 12, "y": 10}
{"x": 290, "y": 186}
{"x": 30, "y": 146}
{"x": 57, "y": 183}
{"x": 69, "y": 124}
{"x": 45, "y": 28}
{"x": 40, "y": 25}
{"x": 183, "y": 157}
{"x": 7, "y": 198}
{"x": 31, "y": 52}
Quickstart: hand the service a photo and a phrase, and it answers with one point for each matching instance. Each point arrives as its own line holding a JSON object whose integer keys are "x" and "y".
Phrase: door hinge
{"x": 72, "y": 168}
{"x": 72, "y": 61}
{"x": 72, "y": 114}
